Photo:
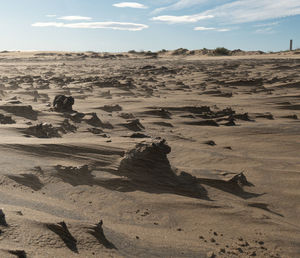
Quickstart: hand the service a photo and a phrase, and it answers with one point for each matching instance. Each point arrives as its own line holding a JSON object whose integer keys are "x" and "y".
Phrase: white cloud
{"x": 130, "y": 5}
{"x": 51, "y": 15}
{"x": 266, "y": 24}
{"x": 268, "y": 30}
{"x": 74, "y": 18}
{"x": 203, "y": 28}
{"x": 181, "y": 19}
{"x": 181, "y": 4}
{"x": 235, "y": 12}
{"x": 94, "y": 25}
{"x": 243, "y": 11}
{"x": 210, "y": 28}
{"x": 224, "y": 30}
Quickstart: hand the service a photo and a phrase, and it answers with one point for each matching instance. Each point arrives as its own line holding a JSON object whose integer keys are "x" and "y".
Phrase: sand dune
{"x": 171, "y": 154}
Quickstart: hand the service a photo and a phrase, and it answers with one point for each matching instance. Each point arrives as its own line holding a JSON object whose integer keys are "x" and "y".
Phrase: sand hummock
{"x": 149, "y": 154}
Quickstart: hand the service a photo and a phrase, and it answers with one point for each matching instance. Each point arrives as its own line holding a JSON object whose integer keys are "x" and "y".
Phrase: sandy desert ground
{"x": 163, "y": 156}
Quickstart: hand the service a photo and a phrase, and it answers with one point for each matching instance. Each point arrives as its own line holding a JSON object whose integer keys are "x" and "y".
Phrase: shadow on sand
{"x": 146, "y": 168}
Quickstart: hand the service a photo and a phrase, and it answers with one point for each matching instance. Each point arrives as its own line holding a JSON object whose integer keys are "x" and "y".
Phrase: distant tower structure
{"x": 291, "y": 44}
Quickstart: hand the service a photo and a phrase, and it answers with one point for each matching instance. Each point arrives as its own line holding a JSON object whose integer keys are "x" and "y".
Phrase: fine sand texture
{"x": 161, "y": 155}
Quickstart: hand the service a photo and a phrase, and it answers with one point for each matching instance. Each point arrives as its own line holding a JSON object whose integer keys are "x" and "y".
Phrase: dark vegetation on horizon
{"x": 219, "y": 51}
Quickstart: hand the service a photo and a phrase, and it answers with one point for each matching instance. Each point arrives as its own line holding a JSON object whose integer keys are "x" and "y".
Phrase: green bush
{"x": 221, "y": 51}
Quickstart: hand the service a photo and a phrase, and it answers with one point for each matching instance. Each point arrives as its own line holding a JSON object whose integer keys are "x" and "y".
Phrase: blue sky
{"x": 96, "y": 25}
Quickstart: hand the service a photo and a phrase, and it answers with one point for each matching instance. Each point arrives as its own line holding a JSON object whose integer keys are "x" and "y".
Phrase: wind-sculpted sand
{"x": 165, "y": 155}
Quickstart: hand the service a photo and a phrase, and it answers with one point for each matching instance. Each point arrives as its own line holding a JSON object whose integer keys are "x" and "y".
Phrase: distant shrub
{"x": 221, "y": 51}
{"x": 205, "y": 51}
{"x": 152, "y": 54}
{"x": 180, "y": 51}
{"x": 131, "y": 51}
{"x": 163, "y": 51}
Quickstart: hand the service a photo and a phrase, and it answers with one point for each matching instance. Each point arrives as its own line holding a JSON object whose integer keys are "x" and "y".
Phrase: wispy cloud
{"x": 268, "y": 30}
{"x": 243, "y": 11}
{"x": 203, "y": 28}
{"x": 223, "y": 30}
{"x": 75, "y": 18}
{"x": 51, "y": 15}
{"x": 181, "y": 4}
{"x": 266, "y": 24}
{"x": 94, "y": 25}
{"x": 236, "y": 12}
{"x": 181, "y": 19}
{"x": 130, "y": 5}
{"x": 210, "y": 29}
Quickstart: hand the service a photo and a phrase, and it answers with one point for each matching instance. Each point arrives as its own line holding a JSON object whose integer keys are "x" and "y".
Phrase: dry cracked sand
{"x": 162, "y": 156}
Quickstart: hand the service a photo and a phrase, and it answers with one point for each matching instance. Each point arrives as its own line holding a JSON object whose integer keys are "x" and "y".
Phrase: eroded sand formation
{"x": 169, "y": 154}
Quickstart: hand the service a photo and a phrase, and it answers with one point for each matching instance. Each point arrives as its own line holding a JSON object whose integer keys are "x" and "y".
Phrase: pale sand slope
{"x": 247, "y": 105}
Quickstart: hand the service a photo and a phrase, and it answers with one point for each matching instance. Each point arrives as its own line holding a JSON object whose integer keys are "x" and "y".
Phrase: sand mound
{"x": 163, "y": 113}
{"x": 97, "y": 232}
{"x": 95, "y": 130}
{"x": 150, "y": 158}
{"x": 81, "y": 171}
{"x": 93, "y": 120}
{"x": 212, "y": 116}
{"x": 204, "y": 112}
{"x": 2, "y": 218}
{"x": 13, "y": 253}
{"x": 42, "y": 130}
{"x": 139, "y": 135}
{"x": 21, "y": 110}
{"x": 63, "y": 232}
{"x": 191, "y": 109}
{"x": 111, "y": 108}
{"x": 295, "y": 117}
{"x": 244, "y": 117}
{"x": 160, "y": 123}
{"x": 75, "y": 117}
{"x": 210, "y": 142}
{"x": 203, "y": 123}
{"x": 247, "y": 82}
{"x": 240, "y": 180}
{"x": 234, "y": 186}
{"x": 29, "y": 180}
{"x": 67, "y": 127}
{"x": 46, "y": 130}
{"x": 6, "y": 119}
{"x": 127, "y": 115}
{"x": 147, "y": 165}
{"x": 134, "y": 125}
{"x": 62, "y": 103}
